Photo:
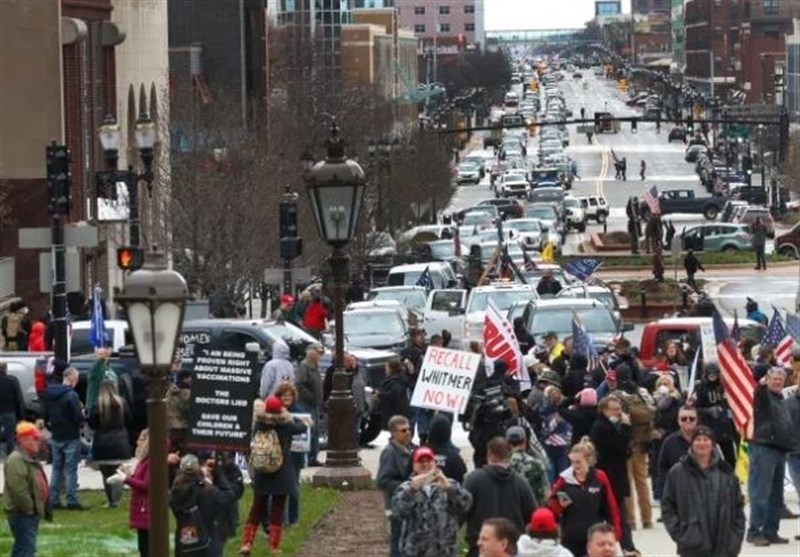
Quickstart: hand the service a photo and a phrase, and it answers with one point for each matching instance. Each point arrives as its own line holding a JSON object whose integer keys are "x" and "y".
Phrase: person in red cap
{"x": 429, "y": 505}
{"x": 542, "y": 537}
{"x": 284, "y": 311}
{"x": 25, "y": 491}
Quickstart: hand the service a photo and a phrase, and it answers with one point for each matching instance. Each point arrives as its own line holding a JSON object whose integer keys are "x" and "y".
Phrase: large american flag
{"x": 737, "y": 379}
{"x": 651, "y": 198}
{"x": 776, "y": 337}
{"x": 582, "y": 344}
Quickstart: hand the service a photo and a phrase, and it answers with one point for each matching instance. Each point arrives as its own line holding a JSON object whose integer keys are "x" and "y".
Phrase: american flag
{"x": 582, "y": 344}
{"x": 425, "y": 279}
{"x": 530, "y": 264}
{"x": 651, "y": 198}
{"x": 776, "y": 337}
{"x": 793, "y": 325}
{"x": 737, "y": 379}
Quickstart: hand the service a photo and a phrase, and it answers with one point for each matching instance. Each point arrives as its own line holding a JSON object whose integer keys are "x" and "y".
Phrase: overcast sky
{"x": 540, "y": 14}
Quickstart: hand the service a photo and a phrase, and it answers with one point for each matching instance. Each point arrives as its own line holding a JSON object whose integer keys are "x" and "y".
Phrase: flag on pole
{"x": 97, "y": 326}
{"x": 651, "y": 198}
{"x": 425, "y": 279}
{"x": 737, "y": 379}
{"x": 500, "y": 343}
{"x": 776, "y": 337}
{"x": 582, "y": 344}
{"x": 736, "y": 332}
{"x": 582, "y": 269}
{"x": 793, "y": 325}
{"x": 693, "y": 375}
{"x": 530, "y": 264}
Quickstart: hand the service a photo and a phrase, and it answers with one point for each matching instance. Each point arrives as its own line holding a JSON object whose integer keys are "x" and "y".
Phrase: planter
{"x": 612, "y": 241}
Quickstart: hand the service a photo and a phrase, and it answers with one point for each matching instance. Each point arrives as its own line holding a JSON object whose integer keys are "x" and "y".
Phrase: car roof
{"x": 567, "y": 303}
{"x": 410, "y": 267}
{"x": 381, "y": 309}
{"x": 675, "y": 322}
{"x": 510, "y": 286}
{"x": 370, "y": 304}
{"x": 401, "y": 288}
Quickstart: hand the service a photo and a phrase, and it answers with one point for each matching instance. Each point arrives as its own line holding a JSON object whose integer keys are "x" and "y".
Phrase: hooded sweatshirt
{"x": 63, "y": 412}
{"x": 277, "y": 370}
{"x": 528, "y": 546}
{"x": 497, "y": 491}
{"x": 448, "y": 457}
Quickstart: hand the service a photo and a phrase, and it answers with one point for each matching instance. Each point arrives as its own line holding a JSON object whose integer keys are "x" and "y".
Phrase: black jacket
{"x": 712, "y": 410}
{"x": 497, "y": 492}
{"x": 772, "y": 421}
{"x": 691, "y": 264}
{"x": 110, "y": 441}
{"x": 211, "y": 502}
{"x": 448, "y": 457}
{"x": 11, "y": 400}
{"x": 394, "y": 468}
{"x": 63, "y": 414}
{"x": 613, "y": 447}
{"x": 415, "y": 355}
{"x": 393, "y": 399}
{"x": 673, "y": 448}
{"x": 793, "y": 404}
{"x": 581, "y": 418}
{"x": 703, "y": 510}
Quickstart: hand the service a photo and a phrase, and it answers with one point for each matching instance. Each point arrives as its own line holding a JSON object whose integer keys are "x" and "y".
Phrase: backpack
{"x": 266, "y": 454}
{"x": 192, "y": 534}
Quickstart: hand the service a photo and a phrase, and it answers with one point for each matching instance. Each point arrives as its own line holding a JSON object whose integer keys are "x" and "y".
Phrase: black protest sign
{"x": 224, "y": 385}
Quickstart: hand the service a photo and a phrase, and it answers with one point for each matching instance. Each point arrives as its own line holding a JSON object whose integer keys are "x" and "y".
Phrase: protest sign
{"x": 500, "y": 343}
{"x": 708, "y": 341}
{"x": 301, "y": 443}
{"x": 224, "y": 385}
{"x": 445, "y": 380}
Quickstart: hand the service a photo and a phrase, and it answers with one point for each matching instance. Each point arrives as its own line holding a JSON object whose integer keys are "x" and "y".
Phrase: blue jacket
{"x": 63, "y": 413}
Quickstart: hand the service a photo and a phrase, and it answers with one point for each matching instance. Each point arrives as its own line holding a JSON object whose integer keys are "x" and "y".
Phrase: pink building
{"x": 453, "y": 23}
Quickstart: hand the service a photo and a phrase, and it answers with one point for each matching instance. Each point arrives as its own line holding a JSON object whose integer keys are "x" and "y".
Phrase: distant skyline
{"x": 540, "y": 14}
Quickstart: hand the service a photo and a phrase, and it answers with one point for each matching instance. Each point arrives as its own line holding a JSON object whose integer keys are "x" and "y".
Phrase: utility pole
{"x": 59, "y": 182}
{"x": 711, "y": 69}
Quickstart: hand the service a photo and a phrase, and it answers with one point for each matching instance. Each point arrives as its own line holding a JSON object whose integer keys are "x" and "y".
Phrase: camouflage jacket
{"x": 534, "y": 472}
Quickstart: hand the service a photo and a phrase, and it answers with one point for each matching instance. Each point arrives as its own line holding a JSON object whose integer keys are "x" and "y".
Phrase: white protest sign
{"x": 301, "y": 442}
{"x": 708, "y": 341}
{"x": 445, "y": 380}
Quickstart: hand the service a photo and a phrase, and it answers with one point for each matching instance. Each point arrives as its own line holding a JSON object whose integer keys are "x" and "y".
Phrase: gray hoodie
{"x": 528, "y": 546}
{"x": 277, "y": 370}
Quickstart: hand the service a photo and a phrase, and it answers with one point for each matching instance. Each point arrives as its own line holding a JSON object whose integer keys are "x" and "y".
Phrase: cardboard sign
{"x": 301, "y": 443}
{"x": 709, "y": 342}
{"x": 445, "y": 380}
{"x": 224, "y": 385}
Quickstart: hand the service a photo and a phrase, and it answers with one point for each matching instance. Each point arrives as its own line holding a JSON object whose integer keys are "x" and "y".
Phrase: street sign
{"x": 72, "y": 271}
{"x": 74, "y": 237}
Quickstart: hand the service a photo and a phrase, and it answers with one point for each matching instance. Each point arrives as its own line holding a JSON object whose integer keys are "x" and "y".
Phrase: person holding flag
{"x": 98, "y": 337}
{"x": 777, "y": 338}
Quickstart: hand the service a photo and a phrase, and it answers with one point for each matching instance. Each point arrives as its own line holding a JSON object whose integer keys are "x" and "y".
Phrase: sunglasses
{"x": 688, "y": 419}
{"x": 404, "y": 430}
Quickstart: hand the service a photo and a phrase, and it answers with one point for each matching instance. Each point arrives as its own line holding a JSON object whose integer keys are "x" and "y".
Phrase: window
{"x": 418, "y": 28}
{"x": 444, "y": 10}
{"x": 444, "y": 27}
{"x": 770, "y": 7}
{"x": 469, "y": 27}
{"x": 469, "y": 9}
{"x": 419, "y": 10}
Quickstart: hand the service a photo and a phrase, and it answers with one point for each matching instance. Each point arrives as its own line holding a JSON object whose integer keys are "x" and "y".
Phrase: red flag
{"x": 500, "y": 343}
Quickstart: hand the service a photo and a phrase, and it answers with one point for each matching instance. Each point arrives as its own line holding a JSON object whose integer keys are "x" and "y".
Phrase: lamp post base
{"x": 344, "y": 478}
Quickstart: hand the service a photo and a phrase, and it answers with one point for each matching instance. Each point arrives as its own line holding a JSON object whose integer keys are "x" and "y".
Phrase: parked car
{"x": 509, "y": 209}
{"x": 751, "y": 213}
{"x": 574, "y": 215}
{"x": 595, "y": 291}
{"x": 378, "y": 327}
{"x": 116, "y": 334}
{"x": 441, "y": 274}
{"x": 788, "y": 243}
{"x": 694, "y": 151}
{"x": 527, "y": 231}
{"x": 717, "y": 237}
{"x": 514, "y": 187}
{"x": 685, "y": 201}
{"x": 412, "y": 298}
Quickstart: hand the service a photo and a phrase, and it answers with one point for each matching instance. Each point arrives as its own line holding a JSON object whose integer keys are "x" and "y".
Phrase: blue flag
{"x": 425, "y": 279}
{"x": 97, "y": 326}
{"x": 582, "y": 344}
{"x": 582, "y": 268}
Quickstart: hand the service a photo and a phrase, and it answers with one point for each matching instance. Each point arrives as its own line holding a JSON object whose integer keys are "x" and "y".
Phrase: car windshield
{"x": 411, "y": 299}
{"x": 525, "y": 226}
{"x": 596, "y": 320}
{"x": 373, "y": 323}
{"x": 547, "y": 213}
{"x": 546, "y": 196}
{"x": 471, "y": 219}
{"x": 468, "y": 165}
{"x": 571, "y": 202}
{"x": 502, "y": 298}
{"x": 287, "y": 332}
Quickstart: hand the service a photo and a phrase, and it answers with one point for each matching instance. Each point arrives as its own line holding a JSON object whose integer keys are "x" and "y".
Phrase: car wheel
{"x": 710, "y": 212}
{"x": 788, "y": 250}
{"x": 370, "y": 428}
{"x": 730, "y": 249}
{"x": 601, "y": 217}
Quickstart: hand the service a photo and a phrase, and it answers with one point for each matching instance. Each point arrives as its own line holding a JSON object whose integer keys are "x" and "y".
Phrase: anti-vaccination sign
{"x": 224, "y": 385}
{"x": 445, "y": 380}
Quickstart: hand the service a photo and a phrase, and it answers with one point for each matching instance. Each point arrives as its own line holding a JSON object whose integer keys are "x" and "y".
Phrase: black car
{"x": 677, "y": 134}
{"x": 508, "y": 208}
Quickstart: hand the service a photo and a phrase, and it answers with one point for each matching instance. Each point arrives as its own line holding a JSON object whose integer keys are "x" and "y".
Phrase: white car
{"x": 574, "y": 215}
{"x": 469, "y": 173}
{"x": 595, "y": 207}
{"x": 515, "y": 187}
{"x": 528, "y": 231}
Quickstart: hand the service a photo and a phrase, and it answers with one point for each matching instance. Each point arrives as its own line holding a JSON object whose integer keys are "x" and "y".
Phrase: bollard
{"x": 643, "y": 302}
{"x": 605, "y": 227}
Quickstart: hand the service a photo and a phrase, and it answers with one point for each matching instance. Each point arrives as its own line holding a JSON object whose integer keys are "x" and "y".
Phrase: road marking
{"x": 601, "y": 176}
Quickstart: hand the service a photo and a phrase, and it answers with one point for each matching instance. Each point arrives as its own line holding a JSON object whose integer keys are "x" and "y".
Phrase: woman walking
{"x": 582, "y": 496}
{"x": 271, "y": 469}
{"x": 139, "y": 482}
{"x": 110, "y": 419}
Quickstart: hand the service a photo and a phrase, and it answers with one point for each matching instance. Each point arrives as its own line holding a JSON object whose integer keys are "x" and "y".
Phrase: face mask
{"x": 24, "y": 311}
{"x": 613, "y": 419}
{"x": 663, "y": 389}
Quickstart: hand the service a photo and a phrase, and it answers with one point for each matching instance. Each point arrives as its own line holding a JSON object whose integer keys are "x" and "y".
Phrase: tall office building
{"x": 455, "y": 25}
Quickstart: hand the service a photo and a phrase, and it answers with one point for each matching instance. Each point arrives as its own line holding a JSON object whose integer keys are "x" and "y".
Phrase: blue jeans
{"x": 793, "y": 462}
{"x": 293, "y": 506}
{"x": 765, "y": 489}
{"x": 24, "y": 528}
{"x": 395, "y": 528}
{"x": 8, "y": 424}
{"x": 422, "y": 420}
{"x": 66, "y": 456}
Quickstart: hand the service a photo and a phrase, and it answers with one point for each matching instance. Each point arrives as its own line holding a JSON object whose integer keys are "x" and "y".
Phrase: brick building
{"x": 709, "y": 47}
{"x": 454, "y": 24}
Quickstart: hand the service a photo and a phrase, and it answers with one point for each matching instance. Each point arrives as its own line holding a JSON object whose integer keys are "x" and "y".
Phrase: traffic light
{"x": 633, "y": 125}
{"x": 690, "y": 123}
{"x": 288, "y": 218}
{"x": 58, "y": 179}
{"x": 130, "y": 258}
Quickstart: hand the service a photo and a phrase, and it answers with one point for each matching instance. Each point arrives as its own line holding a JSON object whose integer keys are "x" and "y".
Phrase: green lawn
{"x": 104, "y": 532}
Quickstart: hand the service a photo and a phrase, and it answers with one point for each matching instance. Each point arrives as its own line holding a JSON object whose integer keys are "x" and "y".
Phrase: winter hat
{"x": 587, "y": 397}
{"x": 27, "y": 429}
{"x": 703, "y": 431}
{"x": 273, "y": 405}
{"x": 287, "y": 299}
{"x": 189, "y": 463}
{"x": 516, "y": 434}
{"x": 543, "y": 522}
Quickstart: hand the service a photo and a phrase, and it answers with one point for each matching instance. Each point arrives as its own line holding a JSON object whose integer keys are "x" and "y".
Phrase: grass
{"x": 104, "y": 532}
{"x": 706, "y": 258}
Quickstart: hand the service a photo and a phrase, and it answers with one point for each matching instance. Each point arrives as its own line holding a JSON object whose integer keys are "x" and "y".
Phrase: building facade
{"x": 678, "y": 34}
{"x": 710, "y": 53}
{"x": 454, "y": 25}
{"x": 791, "y": 72}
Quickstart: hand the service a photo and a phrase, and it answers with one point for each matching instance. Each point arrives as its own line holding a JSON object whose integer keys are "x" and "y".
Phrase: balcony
{"x": 7, "y": 286}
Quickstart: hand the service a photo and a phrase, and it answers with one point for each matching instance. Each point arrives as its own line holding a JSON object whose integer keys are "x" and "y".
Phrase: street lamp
{"x": 335, "y": 188}
{"x": 154, "y": 298}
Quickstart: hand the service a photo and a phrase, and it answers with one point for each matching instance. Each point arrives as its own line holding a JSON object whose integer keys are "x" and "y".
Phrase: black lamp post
{"x": 106, "y": 179}
{"x": 335, "y": 189}
{"x": 154, "y": 298}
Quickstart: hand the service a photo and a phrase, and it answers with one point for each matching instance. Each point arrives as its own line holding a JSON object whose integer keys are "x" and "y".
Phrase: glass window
{"x": 236, "y": 340}
{"x": 446, "y": 301}
{"x": 358, "y": 323}
{"x": 502, "y": 298}
{"x": 418, "y": 28}
{"x": 469, "y": 9}
{"x": 444, "y": 27}
{"x": 770, "y": 7}
{"x": 419, "y": 10}
{"x": 412, "y": 299}
{"x": 444, "y": 10}
{"x": 469, "y": 27}
{"x": 595, "y": 319}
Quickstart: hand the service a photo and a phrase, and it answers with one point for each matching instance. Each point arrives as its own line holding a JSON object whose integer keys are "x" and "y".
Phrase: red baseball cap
{"x": 273, "y": 405}
{"x": 543, "y": 521}
{"x": 423, "y": 452}
{"x": 287, "y": 299}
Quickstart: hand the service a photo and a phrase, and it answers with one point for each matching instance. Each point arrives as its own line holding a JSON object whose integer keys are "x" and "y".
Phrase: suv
{"x": 542, "y": 316}
{"x": 574, "y": 215}
{"x": 595, "y": 207}
{"x": 788, "y": 243}
{"x": 749, "y": 215}
{"x": 514, "y": 187}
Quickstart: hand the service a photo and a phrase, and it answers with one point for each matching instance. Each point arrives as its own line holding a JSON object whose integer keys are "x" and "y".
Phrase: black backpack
{"x": 192, "y": 533}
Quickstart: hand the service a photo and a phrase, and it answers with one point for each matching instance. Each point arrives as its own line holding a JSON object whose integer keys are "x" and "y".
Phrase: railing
{"x": 7, "y": 285}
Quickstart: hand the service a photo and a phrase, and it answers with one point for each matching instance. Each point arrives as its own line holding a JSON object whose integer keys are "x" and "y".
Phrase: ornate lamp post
{"x": 335, "y": 188}
{"x": 154, "y": 298}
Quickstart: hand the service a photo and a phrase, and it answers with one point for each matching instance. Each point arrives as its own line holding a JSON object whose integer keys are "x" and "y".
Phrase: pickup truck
{"x": 685, "y": 201}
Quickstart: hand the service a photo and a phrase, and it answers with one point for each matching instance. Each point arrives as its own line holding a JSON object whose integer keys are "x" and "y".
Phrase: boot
{"x": 275, "y": 532}
{"x": 248, "y": 535}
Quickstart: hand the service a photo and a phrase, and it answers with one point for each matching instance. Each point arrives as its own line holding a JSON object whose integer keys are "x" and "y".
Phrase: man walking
{"x": 309, "y": 393}
{"x": 677, "y": 443}
{"x": 772, "y": 438}
{"x": 691, "y": 264}
{"x": 642, "y": 169}
{"x": 497, "y": 492}
{"x": 63, "y": 416}
{"x": 25, "y": 491}
{"x": 394, "y": 469}
{"x": 11, "y": 405}
{"x": 759, "y": 243}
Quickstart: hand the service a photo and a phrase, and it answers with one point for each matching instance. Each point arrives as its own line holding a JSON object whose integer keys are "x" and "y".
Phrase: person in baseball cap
{"x": 285, "y": 309}
{"x": 542, "y": 536}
